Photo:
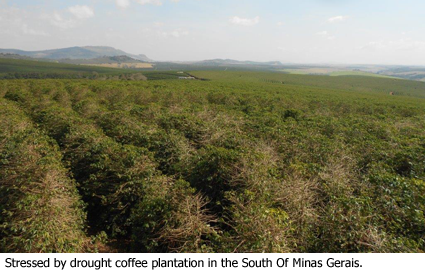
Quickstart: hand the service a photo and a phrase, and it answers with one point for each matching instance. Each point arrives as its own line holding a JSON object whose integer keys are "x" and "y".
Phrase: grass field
{"x": 357, "y": 84}
{"x": 333, "y": 72}
{"x": 21, "y": 67}
{"x": 243, "y": 162}
{"x": 164, "y": 75}
{"x": 358, "y": 73}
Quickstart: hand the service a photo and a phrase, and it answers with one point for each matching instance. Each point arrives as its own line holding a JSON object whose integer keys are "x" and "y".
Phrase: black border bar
{"x": 184, "y": 264}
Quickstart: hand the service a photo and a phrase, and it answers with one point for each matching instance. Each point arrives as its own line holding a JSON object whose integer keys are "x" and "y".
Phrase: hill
{"x": 101, "y": 60}
{"x": 412, "y": 73}
{"x": 17, "y": 68}
{"x": 88, "y": 52}
{"x": 21, "y": 57}
{"x": 110, "y": 62}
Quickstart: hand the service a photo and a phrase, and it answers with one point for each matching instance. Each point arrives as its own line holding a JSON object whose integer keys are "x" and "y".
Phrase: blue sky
{"x": 309, "y": 31}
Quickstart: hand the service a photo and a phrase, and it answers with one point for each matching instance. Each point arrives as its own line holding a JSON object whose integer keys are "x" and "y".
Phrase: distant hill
{"x": 75, "y": 53}
{"x": 11, "y": 68}
{"x": 9, "y": 65}
{"x": 22, "y": 57}
{"x": 224, "y": 62}
{"x": 109, "y": 51}
{"x": 102, "y": 60}
{"x": 122, "y": 61}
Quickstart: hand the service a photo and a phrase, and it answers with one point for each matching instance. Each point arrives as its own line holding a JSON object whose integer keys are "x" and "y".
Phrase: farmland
{"x": 15, "y": 68}
{"x": 333, "y": 71}
{"x": 358, "y": 84}
{"x": 241, "y": 162}
{"x": 358, "y": 73}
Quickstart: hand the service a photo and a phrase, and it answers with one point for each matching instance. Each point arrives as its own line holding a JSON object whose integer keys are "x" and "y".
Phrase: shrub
{"x": 41, "y": 209}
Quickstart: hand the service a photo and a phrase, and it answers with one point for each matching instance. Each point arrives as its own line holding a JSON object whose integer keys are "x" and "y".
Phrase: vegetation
{"x": 161, "y": 75}
{"x": 245, "y": 162}
{"x": 333, "y": 72}
{"x": 29, "y": 69}
{"x": 358, "y": 73}
{"x": 110, "y": 62}
{"x": 40, "y": 205}
{"x": 358, "y": 84}
{"x": 88, "y": 52}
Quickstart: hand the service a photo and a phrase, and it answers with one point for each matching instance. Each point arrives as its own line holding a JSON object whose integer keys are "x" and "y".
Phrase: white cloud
{"x": 122, "y": 4}
{"x": 245, "y": 21}
{"x": 81, "y": 12}
{"x": 175, "y": 33}
{"x": 61, "y": 20}
{"x": 280, "y": 24}
{"x": 151, "y": 2}
{"x": 337, "y": 19}
{"x": 57, "y": 20}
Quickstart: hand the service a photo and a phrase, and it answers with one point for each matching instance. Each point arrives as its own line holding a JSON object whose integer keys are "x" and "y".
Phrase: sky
{"x": 303, "y": 31}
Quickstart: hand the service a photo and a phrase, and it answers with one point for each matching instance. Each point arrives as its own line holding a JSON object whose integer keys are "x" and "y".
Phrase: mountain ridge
{"x": 87, "y": 52}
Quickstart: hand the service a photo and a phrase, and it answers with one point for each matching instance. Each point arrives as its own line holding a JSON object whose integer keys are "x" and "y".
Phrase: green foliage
{"x": 210, "y": 171}
{"x": 246, "y": 162}
{"x": 28, "y": 69}
{"x": 359, "y": 84}
{"x": 157, "y": 75}
{"x": 40, "y": 207}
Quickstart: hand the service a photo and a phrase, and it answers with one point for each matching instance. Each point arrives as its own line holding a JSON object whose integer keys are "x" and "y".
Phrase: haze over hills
{"x": 76, "y": 54}
{"x": 236, "y": 62}
{"x": 115, "y": 58}
{"x": 88, "y": 52}
{"x": 20, "y": 57}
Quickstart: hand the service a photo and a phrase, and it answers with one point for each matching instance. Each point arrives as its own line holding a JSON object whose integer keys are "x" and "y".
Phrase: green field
{"x": 358, "y": 73}
{"x": 164, "y": 75}
{"x": 357, "y": 84}
{"x": 334, "y": 72}
{"x": 27, "y": 68}
{"x": 243, "y": 162}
